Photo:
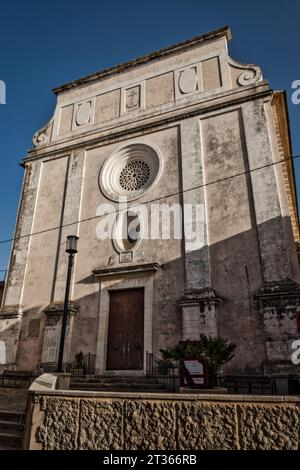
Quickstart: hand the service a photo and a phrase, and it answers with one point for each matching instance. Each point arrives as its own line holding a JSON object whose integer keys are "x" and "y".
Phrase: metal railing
{"x": 156, "y": 368}
{"x": 261, "y": 384}
{"x": 83, "y": 365}
{"x": 16, "y": 378}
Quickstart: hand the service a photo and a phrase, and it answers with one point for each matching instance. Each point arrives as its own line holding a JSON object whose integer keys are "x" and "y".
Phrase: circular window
{"x": 130, "y": 172}
{"x": 127, "y": 231}
{"x": 134, "y": 175}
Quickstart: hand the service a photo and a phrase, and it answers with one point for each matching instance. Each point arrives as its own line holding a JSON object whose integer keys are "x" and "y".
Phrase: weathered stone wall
{"x": 84, "y": 420}
{"x": 1, "y": 291}
{"x": 209, "y": 121}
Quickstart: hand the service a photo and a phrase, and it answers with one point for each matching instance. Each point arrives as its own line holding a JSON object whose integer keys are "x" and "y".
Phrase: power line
{"x": 9, "y": 240}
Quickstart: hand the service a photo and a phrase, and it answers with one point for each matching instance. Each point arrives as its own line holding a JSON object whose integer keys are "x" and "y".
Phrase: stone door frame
{"x": 110, "y": 283}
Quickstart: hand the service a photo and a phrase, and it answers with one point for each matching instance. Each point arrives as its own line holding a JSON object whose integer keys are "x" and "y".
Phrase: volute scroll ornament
{"x": 248, "y": 77}
{"x": 42, "y": 136}
{"x": 250, "y": 74}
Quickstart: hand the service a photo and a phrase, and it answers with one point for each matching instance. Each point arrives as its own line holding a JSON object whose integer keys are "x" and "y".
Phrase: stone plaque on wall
{"x": 34, "y": 328}
{"x": 83, "y": 113}
{"x": 126, "y": 257}
{"x": 133, "y": 97}
{"x": 188, "y": 81}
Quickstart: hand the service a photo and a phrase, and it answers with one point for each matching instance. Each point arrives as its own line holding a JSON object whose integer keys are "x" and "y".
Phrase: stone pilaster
{"x": 196, "y": 255}
{"x": 10, "y": 325}
{"x": 54, "y": 314}
{"x": 12, "y": 311}
{"x": 199, "y": 310}
{"x": 199, "y": 302}
{"x": 279, "y": 303}
{"x": 71, "y": 214}
{"x": 18, "y": 260}
{"x": 277, "y": 248}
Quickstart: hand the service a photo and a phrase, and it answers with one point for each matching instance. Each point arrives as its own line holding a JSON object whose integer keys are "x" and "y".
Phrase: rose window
{"x": 130, "y": 171}
{"x": 134, "y": 175}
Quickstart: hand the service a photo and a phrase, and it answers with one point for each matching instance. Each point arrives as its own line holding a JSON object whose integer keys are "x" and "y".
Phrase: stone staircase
{"x": 98, "y": 383}
{"x": 11, "y": 430}
{"x": 12, "y": 410}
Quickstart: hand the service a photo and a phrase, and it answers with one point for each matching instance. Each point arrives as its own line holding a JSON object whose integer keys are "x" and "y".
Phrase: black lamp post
{"x": 71, "y": 248}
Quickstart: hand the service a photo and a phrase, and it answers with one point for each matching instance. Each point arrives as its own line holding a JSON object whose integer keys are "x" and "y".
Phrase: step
{"x": 9, "y": 448}
{"x": 10, "y": 426}
{"x": 111, "y": 379}
{"x": 12, "y": 416}
{"x": 118, "y": 385}
{"x": 10, "y": 440}
{"x": 114, "y": 387}
{"x": 117, "y": 390}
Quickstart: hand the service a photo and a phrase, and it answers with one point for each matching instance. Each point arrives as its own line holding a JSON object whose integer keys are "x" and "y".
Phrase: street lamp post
{"x": 71, "y": 248}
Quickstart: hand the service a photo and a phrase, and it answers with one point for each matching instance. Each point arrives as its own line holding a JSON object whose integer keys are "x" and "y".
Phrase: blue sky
{"x": 45, "y": 44}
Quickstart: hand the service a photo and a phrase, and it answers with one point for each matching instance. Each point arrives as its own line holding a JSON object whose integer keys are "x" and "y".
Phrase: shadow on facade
{"x": 250, "y": 274}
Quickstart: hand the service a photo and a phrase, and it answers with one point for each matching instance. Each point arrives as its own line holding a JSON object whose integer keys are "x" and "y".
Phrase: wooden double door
{"x": 125, "y": 341}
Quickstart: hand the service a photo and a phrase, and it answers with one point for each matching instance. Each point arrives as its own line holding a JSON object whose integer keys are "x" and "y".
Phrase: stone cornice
{"x": 199, "y": 296}
{"x": 279, "y": 294}
{"x": 171, "y": 115}
{"x": 141, "y": 269}
{"x": 160, "y": 54}
{"x": 11, "y": 311}
{"x": 57, "y": 307}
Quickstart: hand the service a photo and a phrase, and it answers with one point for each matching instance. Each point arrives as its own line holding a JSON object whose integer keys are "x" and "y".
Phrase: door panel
{"x": 125, "y": 342}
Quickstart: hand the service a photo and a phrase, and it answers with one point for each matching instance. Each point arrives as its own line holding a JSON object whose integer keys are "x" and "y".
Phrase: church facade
{"x": 197, "y": 139}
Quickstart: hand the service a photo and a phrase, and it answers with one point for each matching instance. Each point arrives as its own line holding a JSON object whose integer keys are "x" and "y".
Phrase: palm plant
{"x": 211, "y": 352}
{"x": 214, "y": 353}
{"x": 178, "y": 353}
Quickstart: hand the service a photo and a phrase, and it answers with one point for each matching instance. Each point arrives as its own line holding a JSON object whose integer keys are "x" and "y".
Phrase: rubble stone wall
{"x": 67, "y": 420}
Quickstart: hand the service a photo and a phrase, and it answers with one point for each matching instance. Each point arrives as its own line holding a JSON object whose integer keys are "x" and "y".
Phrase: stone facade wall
{"x": 106, "y": 421}
{"x": 1, "y": 291}
{"x": 210, "y": 121}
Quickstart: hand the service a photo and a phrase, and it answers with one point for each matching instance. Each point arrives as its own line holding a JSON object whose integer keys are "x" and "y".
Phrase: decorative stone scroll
{"x": 244, "y": 75}
{"x": 43, "y": 135}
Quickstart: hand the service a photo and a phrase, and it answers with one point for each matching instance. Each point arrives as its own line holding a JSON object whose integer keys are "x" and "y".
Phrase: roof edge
{"x": 169, "y": 50}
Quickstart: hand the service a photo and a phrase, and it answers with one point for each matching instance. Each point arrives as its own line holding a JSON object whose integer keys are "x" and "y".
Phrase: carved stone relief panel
{"x": 133, "y": 98}
{"x": 188, "y": 81}
{"x": 84, "y": 113}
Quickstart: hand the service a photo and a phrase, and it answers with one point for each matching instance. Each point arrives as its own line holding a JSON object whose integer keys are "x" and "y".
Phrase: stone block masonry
{"x": 72, "y": 420}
